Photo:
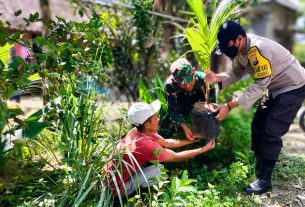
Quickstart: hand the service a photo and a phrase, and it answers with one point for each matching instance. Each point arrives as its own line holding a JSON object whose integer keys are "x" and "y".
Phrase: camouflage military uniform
{"x": 180, "y": 104}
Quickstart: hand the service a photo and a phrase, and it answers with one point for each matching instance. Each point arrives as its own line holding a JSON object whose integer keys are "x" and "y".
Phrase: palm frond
{"x": 203, "y": 36}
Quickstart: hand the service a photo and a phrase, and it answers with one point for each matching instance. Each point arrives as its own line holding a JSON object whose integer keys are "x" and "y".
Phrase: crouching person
{"x": 142, "y": 146}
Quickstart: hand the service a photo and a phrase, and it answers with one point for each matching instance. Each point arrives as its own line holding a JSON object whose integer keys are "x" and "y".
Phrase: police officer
{"x": 184, "y": 87}
{"x": 278, "y": 75}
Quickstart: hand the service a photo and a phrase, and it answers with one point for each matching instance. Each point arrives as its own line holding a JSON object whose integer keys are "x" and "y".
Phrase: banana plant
{"x": 201, "y": 34}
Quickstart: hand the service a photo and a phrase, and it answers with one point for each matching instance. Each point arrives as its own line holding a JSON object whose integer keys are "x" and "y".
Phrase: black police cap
{"x": 229, "y": 30}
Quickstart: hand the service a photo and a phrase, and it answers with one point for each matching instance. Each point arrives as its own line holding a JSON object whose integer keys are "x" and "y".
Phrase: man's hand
{"x": 209, "y": 146}
{"x": 211, "y": 77}
{"x": 188, "y": 132}
{"x": 223, "y": 111}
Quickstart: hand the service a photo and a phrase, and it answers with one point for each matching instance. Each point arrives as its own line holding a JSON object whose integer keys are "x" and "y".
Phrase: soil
{"x": 204, "y": 106}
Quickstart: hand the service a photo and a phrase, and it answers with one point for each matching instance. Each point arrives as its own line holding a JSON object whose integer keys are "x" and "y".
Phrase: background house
{"x": 274, "y": 19}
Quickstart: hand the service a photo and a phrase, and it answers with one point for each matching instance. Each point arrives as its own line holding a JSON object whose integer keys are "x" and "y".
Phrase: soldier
{"x": 184, "y": 87}
{"x": 277, "y": 75}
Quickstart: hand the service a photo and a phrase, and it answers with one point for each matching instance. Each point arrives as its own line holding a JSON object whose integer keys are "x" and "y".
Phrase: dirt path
{"x": 287, "y": 189}
{"x": 294, "y": 141}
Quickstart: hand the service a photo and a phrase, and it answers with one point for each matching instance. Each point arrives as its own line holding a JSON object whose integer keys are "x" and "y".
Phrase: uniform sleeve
{"x": 262, "y": 71}
{"x": 253, "y": 92}
{"x": 152, "y": 151}
{"x": 235, "y": 75}
{"x": 175, "y": 106}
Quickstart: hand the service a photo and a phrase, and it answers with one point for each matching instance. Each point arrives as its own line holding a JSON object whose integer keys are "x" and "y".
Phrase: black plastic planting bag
{"x": 205, "y": 126}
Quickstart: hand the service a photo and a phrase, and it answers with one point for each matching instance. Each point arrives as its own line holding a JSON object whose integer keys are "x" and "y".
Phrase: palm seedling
{"x": 202, "y": 30}
{"x": 201, "y": 34}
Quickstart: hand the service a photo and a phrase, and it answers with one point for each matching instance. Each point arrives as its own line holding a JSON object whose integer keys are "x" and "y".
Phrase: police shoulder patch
{"x": 261, "y": 66}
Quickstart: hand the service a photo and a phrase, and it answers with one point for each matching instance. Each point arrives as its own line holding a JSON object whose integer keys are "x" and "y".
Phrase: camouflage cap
{"x": 182, "y": 71}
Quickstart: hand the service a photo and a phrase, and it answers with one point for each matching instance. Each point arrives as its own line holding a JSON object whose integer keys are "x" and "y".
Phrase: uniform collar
{"x": 248, "y": 43}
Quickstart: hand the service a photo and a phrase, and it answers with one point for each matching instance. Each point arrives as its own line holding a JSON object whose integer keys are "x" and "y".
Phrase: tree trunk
{"x": 45, "y": 14}
{"x": 158, "y": 6}
{"x": 169, "y": 28}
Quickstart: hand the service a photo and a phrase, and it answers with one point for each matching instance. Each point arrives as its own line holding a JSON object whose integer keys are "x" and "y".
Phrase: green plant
{"x": 78, "y": 120}
{"x": 72, "y": 52}
{"x": 151, "y": 91}
{"x": 202, "y": 35}
{"x": 176, "y": 193}
{"x": 142, "y": 20}
{"x": 69, "y": 159}
{"x": 222, "y": 187}
{"x": 57, "y": 61}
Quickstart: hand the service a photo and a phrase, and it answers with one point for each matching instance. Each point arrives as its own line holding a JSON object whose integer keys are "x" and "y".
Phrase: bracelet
{"x": 228, "y": 106}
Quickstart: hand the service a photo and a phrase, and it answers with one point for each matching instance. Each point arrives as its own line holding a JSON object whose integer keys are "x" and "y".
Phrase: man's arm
{"x": 188, "y": 154}
{"x": 227, "y": 78}
{"x": 173, "y": 143}
{"x": 224, "y": 109}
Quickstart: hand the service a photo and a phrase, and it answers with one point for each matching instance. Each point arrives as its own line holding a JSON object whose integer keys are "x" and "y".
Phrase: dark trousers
{"x": 272, "y": 120}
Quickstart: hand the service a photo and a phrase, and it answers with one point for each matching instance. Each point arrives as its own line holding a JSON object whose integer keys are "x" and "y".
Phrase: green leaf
{"x": 34, "y": 77}
{"x": 184, "y": 176}
{"x": 199, "y": 47}
{"x": 12, "y": 113}
{"x": 34, "y": 17}
{"x": 17, "y": 13}
{"x": 166, "y": 197}
{"x": 145, "y": 94}
{"x": 41, "y": 57}
{"x": 189, "y": 181}
{"x": 175, "y": 186}
{"x": 26, "y": 21}
{"x": 2, "y": 66}
{"x": 21, "y": 123}
{"x": 15, "y": 36}
{"x": 3, "y": 116}
{"x": 8, "y": 92}
{"x": 39, "y": 41}
{"x": 69, "y": 67}
{"x": 34, "y": 128}
{"x": 203, "y": 37}
{"x": 159, "y": 88}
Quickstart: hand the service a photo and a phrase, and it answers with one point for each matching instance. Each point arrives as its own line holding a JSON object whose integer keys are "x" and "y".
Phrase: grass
{"x": 290, "y": 169}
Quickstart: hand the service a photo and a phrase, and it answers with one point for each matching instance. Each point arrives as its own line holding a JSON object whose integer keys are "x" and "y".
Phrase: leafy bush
{"x": 71, "y": 50}
{"x": 216, "y": 188}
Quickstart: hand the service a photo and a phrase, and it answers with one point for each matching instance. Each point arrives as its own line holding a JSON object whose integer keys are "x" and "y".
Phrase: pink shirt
{"x": 134, "y": 147}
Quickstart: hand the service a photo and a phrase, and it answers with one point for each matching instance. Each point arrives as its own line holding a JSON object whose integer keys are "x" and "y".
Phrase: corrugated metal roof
{"x": 9, "y": 7}
{"x": 61, "y": 8}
